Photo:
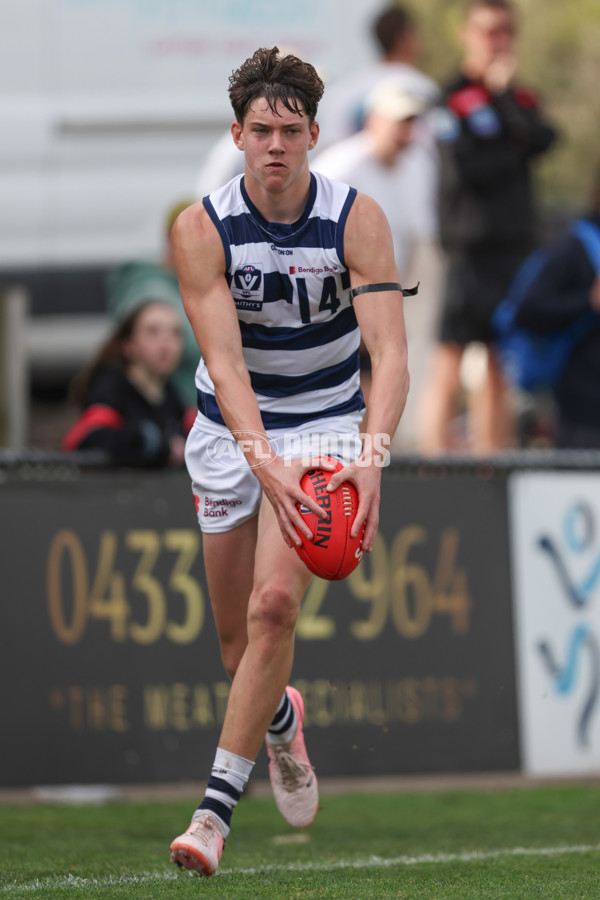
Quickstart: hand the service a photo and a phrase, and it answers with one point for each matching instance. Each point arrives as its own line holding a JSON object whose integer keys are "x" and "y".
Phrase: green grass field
{"x": 529, "y": 842}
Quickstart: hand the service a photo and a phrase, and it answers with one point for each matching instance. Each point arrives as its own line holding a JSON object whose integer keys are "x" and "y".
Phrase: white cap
{"x": 388, "y": 98}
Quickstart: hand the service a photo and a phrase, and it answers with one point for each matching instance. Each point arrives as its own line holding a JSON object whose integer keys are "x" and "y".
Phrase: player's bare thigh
{"x": 229, "y": 567}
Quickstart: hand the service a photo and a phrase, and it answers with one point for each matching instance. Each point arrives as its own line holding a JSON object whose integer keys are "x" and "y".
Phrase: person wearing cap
{"x": 379, "y": 162}
{"x": 393, "y": 160}
{"x": 396, "y": 36}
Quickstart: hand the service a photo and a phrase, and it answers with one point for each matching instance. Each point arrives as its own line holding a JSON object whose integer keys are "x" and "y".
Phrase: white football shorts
{"x": 227, "y": 492}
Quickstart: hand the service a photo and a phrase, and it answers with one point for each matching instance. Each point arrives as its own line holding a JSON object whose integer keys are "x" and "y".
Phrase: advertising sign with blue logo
{"x": 556, "y": 571}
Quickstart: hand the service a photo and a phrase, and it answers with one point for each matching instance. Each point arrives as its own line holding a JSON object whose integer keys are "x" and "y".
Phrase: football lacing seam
{"x": 347, "y": 501}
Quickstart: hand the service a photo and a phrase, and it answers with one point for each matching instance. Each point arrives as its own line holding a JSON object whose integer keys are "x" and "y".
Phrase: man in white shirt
{"x": 394, "y": 160}
{"x": 383, "y": 161}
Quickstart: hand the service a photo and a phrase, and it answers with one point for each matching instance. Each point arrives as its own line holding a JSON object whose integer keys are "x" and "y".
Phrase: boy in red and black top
{"x": 489, "y": 129}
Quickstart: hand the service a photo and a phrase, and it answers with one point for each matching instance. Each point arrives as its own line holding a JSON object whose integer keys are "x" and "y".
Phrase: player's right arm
{"x": 200, "y": 262}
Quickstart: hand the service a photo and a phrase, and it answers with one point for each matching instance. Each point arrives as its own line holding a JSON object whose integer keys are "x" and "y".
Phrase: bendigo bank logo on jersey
{"x": 247, "y": 288}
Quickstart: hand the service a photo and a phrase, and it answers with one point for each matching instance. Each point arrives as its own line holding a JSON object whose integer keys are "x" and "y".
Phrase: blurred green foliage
{"x": 559, "y": 56}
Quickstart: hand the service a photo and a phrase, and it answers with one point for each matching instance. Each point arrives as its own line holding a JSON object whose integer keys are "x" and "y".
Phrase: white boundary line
{"x": 40, "y": 885}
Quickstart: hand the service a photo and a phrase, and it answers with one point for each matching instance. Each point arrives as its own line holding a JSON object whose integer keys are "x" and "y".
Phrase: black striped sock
{"x": 220, "y": 799}
{"x": 227, "y": 781}
{"x": 283, "y": 727}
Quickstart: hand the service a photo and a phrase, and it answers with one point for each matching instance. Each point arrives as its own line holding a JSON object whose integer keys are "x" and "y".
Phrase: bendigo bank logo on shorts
{"x": 247, "y": 287}
{"x": 219, "y": 508}
{"x": 214, "y": 509}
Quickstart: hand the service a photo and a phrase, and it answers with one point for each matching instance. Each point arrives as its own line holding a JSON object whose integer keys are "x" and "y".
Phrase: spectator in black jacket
{"x": 130, "y": 408}
{"x": 565, "y": 289}
{"x": 489, "y": 129}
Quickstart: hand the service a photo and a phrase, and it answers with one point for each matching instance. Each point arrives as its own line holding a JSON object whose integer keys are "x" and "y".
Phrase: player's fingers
{"x": 367, "y": 514}
{"x": 317, "y": 462}
{"x": 345, "y": 474}
{"x": 305, "y": 499}
{"x": 364, "y": 506}
{"x": 294, "y": 519}
{"x": 371, "y": 526}
{"x": 293, "y": 539}
{"x": 288, "y": 532}
{"x": 337, "y": 479}
{"x": 325, "y": 464}
{"x": 311, "y": 505}
{"x": 289, "y": 535}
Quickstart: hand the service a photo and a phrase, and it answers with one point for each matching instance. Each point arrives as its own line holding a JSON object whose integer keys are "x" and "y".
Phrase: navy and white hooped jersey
{"x": 290, "y": 285}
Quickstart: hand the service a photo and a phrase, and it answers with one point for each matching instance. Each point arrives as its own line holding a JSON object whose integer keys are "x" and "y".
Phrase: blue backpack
{"x": 535, "y": 361}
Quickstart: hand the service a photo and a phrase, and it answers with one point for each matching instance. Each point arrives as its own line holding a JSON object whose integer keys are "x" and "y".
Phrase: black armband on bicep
{"x": 384, "y": 286}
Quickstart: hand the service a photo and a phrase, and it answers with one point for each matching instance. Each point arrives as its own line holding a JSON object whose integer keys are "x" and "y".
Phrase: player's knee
{"x": 273, "y": 612}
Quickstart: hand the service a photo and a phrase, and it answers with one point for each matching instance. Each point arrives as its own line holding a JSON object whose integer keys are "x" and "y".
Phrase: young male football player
{"x": 266, "y": 265}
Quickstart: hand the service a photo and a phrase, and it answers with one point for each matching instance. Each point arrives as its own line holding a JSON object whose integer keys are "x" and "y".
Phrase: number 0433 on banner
{"x": 140, "y": 606}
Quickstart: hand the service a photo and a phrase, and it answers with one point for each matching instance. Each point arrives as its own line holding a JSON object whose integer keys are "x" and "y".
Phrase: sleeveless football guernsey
{"x": 290, "y": 285}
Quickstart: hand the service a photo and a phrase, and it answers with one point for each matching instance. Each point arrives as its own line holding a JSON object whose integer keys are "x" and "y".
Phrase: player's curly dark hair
{"x": 279, "y": 79}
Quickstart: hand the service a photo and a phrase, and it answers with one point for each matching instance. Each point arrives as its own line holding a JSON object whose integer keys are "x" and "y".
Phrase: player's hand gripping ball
{"x": 332, "y": 553}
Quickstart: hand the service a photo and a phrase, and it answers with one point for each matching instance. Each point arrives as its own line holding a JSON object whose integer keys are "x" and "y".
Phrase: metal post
{"x": 14, "y": 367}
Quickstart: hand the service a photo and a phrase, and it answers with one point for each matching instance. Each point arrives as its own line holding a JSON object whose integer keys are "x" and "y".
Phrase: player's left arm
{"x": 369, "y": 255}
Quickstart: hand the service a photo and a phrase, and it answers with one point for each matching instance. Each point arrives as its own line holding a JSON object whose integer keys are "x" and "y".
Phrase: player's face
{"x": 156, "y": 340}
{"x": 488, "y": 34}
{"x": 275, "y": 144}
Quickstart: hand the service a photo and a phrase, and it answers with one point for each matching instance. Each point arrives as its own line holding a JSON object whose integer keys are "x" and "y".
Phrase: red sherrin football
{"x": 332, "y": 553}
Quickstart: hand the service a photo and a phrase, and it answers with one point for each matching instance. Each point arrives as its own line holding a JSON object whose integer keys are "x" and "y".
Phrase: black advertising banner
{"x": 110, "y": 669}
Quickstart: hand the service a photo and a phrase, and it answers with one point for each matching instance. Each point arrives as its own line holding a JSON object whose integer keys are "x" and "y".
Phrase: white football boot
{"x": 292, "y": 777}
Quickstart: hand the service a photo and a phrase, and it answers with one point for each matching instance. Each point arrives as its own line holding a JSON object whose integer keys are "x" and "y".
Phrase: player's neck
{"x": 285, "y": 206}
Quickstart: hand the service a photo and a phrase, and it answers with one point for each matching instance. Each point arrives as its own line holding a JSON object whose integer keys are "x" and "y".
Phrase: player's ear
{"x": 314, "y": 135}
{"x": 237, "y": 133}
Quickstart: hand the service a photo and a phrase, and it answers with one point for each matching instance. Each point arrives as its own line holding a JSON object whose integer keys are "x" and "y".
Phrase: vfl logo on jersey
{"x": 247, "y": 288}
